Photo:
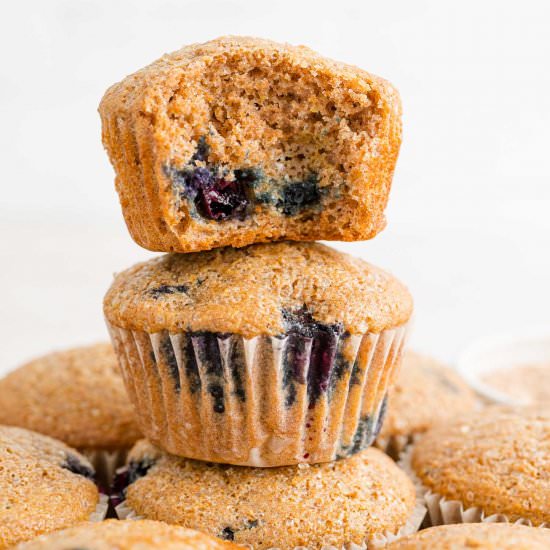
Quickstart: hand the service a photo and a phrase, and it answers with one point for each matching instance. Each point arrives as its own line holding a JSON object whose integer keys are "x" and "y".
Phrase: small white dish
{"x": 502, "y": 351}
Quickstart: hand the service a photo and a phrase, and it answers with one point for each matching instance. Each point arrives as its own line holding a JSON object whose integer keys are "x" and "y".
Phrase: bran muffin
{"x": 351, "y": 500}
{"x": 483, "y": 536}
{"x": 127, "y": 535}
{"x": 242, "y": 140}
{"x": 44, "y": 486}
{"x": 77, "y": 396}
{"x": 426, "y": 393}
{"x": 495, "y": 464}
{"x": 268, "y": 355}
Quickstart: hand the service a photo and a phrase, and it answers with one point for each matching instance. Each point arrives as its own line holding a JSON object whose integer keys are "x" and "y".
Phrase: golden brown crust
{"x": 425, "y": 394}
{"x": 38, "y": 494}
{"x": 81, "y": 386}
{"x": 128, "y": 535}
{"x": 244, "y": 291}
{"x": 260, "y": 104}
{"x": 496, "y": 460}
{"x": 335, "y": 503}
{"x": 483, "y": 536}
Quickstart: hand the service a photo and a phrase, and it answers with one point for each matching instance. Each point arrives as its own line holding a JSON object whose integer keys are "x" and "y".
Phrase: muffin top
{"x": 127, "y": 535}
{"x": 483, "y": 536}
{"x": 44, "y": 486}
{"x": 81, "y": 386}
{"x": 497, "y": 460}
{"x": 334, "y": 503}
{"x": 426, "y": 393}
{"x": 262, "y": 289}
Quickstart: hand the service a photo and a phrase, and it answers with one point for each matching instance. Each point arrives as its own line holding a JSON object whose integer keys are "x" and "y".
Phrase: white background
{"x": 469, "y": 219}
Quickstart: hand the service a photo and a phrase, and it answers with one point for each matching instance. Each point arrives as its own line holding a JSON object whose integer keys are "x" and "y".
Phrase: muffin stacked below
{"x": 271, "y": 359}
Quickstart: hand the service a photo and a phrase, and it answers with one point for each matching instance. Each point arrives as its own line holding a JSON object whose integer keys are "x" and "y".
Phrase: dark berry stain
{"x": 227, "y": 534}
{"x": 162, "y": 290}
{"x": 298, "y": 196}
{"x": 170, "y": 358}
{"x": 219, "y": 194}
{"x": 74, "y": 465}
{"x": 208, "y": 350}
{"x": 126, "y": 476}
{"x": 304, "y": 331}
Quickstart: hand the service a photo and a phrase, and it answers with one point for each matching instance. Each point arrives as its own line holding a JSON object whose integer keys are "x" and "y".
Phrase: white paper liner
{"x": 175, "y": 386}
{"x": 101, "y": 509}
{"x": 445, "y": 512}
{"x": 105, "y": 463}
{"x": 412, "y": 525}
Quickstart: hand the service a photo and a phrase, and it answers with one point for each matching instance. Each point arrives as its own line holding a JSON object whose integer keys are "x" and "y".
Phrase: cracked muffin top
{"x": 483, "y": 536}
{"x": 496, "y": 460}
{"x": 258, "y": 290}
{"x": 242, "y": 140}
{"x": 81, "y": 386}
{"x": 44, "y": 486}
{"x": 127, "y": 535}
{"x": 333, "y": 503}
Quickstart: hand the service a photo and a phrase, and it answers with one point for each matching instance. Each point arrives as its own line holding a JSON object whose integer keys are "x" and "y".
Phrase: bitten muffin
{"x": 483, "y": 536}
{"x": 127, "y": 535}
{"x": 242, "y": 140}
{"x": 493, "y": 463}
{"x": 426, "y": 393}
{"x": 44, "y": 486}
{"x": 268, "y": 355}
{"x": 76, "y": 396}
{"x": 348, "y": 501}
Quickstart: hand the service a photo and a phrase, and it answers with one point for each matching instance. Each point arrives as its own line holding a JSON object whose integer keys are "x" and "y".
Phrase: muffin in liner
{"x": 441, "y": 511}
{"x": 366, "y": 498}
{"x": 426, "y": 393}
{"x": 261, "y": 401}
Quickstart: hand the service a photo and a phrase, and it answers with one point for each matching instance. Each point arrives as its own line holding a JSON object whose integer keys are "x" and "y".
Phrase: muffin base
{"x": 264, "y": 401}
{"x": 441, "y": 511}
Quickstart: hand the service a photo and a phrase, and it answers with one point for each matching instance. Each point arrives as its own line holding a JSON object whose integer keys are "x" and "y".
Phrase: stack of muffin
{"x": 239, "y": 350}
{"x": 259, "y": 369}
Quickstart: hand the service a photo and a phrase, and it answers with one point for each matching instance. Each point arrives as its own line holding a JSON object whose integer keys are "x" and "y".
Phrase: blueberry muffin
{"x": 243, "y": 140}
{"x": 44, "y": 486}
{"x": 426, "y": 393}
{"x": 268, "y": 355}
{"x": 483, "y": 536}
{"x": 347, "y": 501}
{"x": 127, "y": 535}
{"x": 494, "y": 464}
{"x": 76, "y": 396}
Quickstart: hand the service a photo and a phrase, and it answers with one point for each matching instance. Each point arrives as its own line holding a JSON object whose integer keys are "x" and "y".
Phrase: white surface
{"x": 469, "y": 219}
{"x": 518, "y": 347}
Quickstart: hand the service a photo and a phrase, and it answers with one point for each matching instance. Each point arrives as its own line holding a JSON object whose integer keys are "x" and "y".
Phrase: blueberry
{"x": 301, "y": 327}
{"x": 227, "y": 534}
{"x": 171, "y": 362}
{"x": 126, "y": 476}
{"x": 159, "y": 291}
{"x": 202, "y": 151}
{"x": 381, "y": 416}
{"x": 222, "y": 199}
{"x": 73, "y": 464}
{"x": 299, "y": 195}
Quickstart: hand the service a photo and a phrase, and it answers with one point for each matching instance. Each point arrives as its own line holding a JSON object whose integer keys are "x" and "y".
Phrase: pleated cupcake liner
{"x": 101, "y": 509}
{"x": 263, "y": 401}
{"x": 105, "y": 463}
{"x": 412, "y": 525}
{"x": 441, "y": 511}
